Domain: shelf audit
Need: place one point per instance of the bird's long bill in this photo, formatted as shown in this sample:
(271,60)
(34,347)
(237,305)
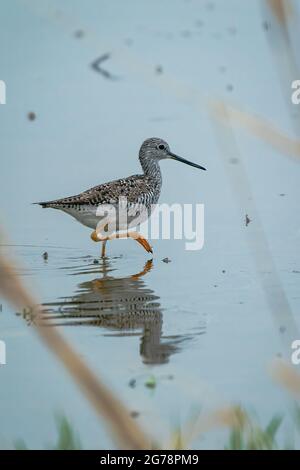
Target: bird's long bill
(179,159)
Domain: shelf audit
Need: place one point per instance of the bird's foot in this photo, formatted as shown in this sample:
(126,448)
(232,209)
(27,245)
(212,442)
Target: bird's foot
(144,242)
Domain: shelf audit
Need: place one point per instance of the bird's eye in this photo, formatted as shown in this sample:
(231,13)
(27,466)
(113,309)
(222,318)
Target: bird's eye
(161,147)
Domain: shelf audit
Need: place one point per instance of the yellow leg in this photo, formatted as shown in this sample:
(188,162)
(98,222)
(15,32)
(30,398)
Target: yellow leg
(135,235)
(141,240)
(95,238)
(103,248)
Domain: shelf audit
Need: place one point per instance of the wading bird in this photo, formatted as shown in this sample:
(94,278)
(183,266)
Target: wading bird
(90,207)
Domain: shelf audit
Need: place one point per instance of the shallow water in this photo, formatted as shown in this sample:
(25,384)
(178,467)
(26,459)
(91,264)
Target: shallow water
(202,325)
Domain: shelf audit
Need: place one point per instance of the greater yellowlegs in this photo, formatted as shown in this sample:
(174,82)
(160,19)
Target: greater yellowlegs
(137,189)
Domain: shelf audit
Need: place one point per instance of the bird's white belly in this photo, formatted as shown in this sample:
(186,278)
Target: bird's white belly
(86,215)
(91,216)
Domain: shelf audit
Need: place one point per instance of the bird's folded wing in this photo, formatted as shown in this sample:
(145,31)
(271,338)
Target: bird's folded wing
(108,193)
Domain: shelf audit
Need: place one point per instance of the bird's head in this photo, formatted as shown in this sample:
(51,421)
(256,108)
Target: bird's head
(158,149)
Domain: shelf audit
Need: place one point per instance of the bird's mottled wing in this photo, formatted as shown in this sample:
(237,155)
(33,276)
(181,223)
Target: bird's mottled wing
(136,188)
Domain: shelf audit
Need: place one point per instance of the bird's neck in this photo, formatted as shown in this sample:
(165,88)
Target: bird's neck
(150,167)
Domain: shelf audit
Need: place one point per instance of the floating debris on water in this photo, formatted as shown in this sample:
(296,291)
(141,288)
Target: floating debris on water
(96,261)
(170,377)
(45,255)
(31,116)
(159,69)
(96,66)
(134,414)
(27,314)
(132,383)
(151,382)
(79,34)
(229,87)
(166,260)
(247,220)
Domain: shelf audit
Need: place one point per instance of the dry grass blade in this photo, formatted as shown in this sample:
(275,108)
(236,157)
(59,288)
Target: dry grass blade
(127,433)
(271,284)
(258,127)
(286,375)
(229,417)
(283,38)
(282,9)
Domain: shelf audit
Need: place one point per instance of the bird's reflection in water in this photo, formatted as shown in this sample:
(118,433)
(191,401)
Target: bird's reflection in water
(125,306)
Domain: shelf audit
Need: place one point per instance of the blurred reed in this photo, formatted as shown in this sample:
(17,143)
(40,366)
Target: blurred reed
(271,284)
(286,375)
(282,9)
(257,126)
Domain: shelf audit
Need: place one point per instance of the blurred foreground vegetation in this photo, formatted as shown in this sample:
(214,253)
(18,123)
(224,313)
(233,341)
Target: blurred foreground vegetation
(247,434)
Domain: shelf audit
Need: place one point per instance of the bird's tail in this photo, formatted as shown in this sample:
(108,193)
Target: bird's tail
(46,204)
